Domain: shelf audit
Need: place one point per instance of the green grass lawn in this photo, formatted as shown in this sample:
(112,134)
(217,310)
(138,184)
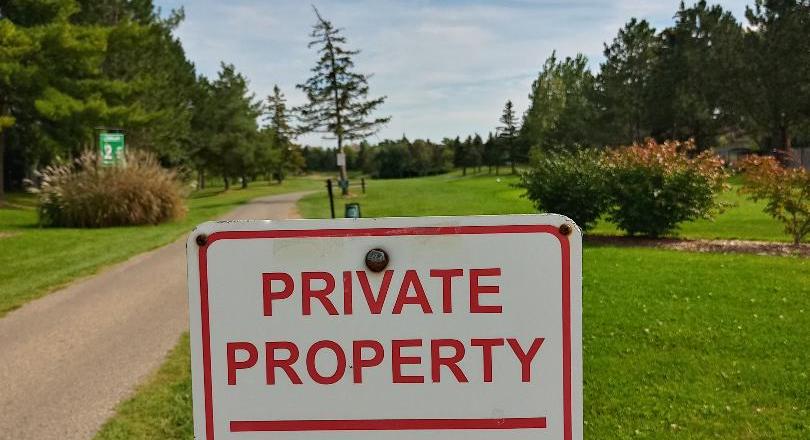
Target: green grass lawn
(35,260)
(451,194)
(677,344)
(161,408)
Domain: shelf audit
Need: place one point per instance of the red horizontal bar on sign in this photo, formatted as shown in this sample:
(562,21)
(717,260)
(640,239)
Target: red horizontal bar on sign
(385,424)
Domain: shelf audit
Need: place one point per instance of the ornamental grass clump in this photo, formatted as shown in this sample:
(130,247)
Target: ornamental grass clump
(84,194)
(654,187)
(785,190)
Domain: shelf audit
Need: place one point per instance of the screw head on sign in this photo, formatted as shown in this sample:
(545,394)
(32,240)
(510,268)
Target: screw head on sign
(376,259)
(201,239)
(565,229)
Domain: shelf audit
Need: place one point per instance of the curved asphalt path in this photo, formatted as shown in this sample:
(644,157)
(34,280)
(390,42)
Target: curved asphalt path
(67,359)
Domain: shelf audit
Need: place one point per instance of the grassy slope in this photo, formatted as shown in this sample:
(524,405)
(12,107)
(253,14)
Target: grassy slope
(676,344)
(35,261)
(453,195)
(705,346)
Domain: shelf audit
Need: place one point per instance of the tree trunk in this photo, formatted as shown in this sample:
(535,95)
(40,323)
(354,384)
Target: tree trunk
(496,169)
(785,142)
(227,183)
(514,171)
(244,182)
(464,171)
(344,187)
(200,179)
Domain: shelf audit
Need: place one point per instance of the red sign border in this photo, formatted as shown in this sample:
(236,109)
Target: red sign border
(391,424)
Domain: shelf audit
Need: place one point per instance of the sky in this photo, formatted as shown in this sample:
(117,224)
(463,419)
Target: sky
(446,67)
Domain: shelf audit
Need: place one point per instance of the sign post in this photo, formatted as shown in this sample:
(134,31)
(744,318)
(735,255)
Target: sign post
(408,328)
(111,148)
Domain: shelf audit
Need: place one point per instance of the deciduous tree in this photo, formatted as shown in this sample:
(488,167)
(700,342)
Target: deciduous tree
(561,110)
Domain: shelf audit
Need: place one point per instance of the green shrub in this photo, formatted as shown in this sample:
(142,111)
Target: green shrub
(84,194)
(569,183)
(654,187)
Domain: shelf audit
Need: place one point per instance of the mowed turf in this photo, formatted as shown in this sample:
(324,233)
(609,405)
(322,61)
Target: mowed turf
(35,260)
(676,344)
(452,194)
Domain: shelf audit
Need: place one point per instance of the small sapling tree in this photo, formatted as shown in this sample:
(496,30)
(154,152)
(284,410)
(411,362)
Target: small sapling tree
(786,192)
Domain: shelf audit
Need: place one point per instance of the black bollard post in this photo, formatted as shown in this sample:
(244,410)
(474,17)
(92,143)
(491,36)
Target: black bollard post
(331,197)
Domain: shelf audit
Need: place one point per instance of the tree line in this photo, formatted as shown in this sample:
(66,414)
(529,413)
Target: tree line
(402,157)
(708,77)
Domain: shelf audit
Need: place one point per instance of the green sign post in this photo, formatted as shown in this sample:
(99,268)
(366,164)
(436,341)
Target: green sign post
(111,148)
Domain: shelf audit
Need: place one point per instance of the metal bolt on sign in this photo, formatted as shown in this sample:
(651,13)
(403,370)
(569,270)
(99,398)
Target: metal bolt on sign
(565,229)
(376,260)
(201,239)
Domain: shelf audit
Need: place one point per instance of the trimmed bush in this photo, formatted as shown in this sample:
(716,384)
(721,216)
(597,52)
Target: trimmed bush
(569,183)
(84,194)
(786,190)
(654,187)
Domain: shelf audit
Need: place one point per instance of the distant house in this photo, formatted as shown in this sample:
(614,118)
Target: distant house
(734,146)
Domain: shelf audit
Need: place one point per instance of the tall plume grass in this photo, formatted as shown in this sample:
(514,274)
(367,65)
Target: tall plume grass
(84,194)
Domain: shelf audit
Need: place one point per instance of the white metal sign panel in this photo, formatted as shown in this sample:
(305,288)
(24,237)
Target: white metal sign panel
(472,330)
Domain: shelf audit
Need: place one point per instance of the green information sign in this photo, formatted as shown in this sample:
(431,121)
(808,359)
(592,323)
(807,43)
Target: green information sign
(111,148)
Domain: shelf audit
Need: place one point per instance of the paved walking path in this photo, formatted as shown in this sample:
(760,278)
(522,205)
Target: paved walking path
(68,358)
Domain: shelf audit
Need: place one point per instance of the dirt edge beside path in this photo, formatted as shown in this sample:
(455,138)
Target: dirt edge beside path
(702,245)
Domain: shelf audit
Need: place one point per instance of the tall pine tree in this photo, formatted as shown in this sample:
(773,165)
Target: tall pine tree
(229,112)
(507,135)
(694,78)
(282,133)
(624,83)
(338,105)
(775,98)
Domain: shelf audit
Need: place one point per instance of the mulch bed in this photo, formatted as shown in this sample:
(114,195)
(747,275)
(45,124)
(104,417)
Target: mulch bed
(720,246)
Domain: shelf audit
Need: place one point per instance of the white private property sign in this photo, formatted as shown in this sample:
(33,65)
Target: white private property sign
(472,330)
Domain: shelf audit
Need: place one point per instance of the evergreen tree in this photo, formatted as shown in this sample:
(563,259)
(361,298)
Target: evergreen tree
(775,98)
(491,152)
(624,83)
(228,112)
(695,76)
(365,158)
(507,135)
(466,154)
(289,155)
(203,156)
(15,47)
(459,153)
(52,90)
(143,51)
(337,95)
(475,154)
